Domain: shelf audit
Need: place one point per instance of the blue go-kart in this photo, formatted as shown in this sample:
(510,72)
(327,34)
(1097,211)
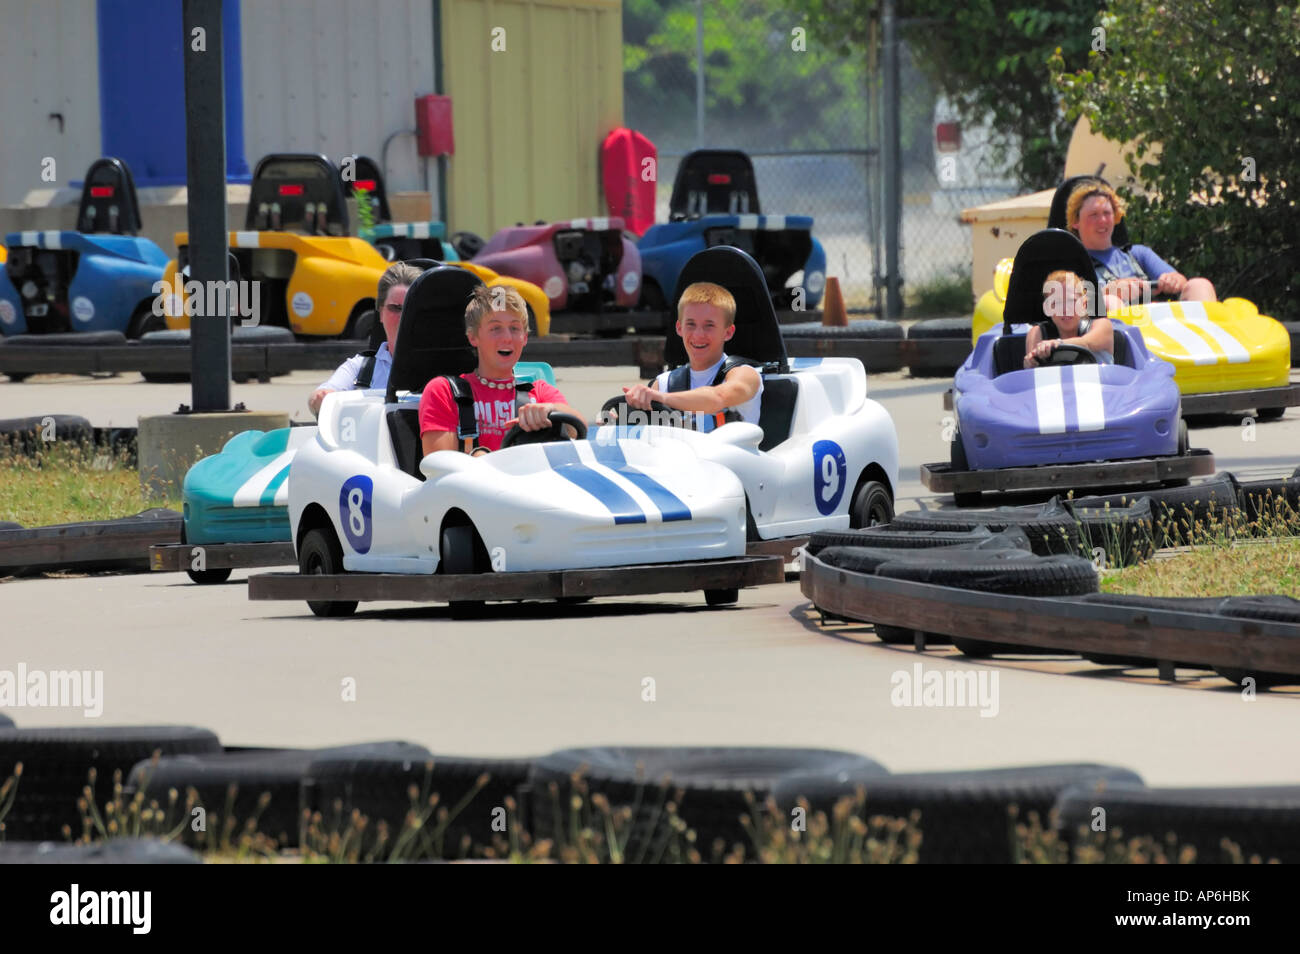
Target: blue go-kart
(715,202)
(1069,423)
(99,278)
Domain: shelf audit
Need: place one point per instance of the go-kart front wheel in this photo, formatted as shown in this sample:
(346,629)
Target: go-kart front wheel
(723,597)
(460,551)
(320,553)
(871,506)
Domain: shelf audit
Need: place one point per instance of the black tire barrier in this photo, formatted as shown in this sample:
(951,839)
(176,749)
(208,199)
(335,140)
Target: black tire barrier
(6,722)
(1177,511)
(870,559)
(253,334)
(1050,526)
(713,781)
(10,525)
(375,780)
(1258,498)
(861,328)
(1263,821)
(1124,535)
(277,772)
(1055,575)
(28,435)
(965,816)
(117,851)
(67,339)
(890,538)
(56,762)
(1293,329)
(941,328)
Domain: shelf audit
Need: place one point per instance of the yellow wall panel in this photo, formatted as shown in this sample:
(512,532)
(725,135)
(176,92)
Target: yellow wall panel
(529,119)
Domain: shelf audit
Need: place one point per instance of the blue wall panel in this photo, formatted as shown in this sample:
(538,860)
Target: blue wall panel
(142,89)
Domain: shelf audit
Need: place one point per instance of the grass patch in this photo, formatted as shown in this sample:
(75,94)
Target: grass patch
(68,482)
(1241,569)
(946,296)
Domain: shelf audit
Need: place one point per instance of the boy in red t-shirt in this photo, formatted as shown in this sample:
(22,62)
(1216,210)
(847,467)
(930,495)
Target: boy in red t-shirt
(496,324)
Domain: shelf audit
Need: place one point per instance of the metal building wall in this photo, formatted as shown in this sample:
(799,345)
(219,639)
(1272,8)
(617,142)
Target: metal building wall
(529,120)
(338,77)
(49,63)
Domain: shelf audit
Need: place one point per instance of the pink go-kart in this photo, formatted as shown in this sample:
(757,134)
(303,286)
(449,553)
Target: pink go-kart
(581,264)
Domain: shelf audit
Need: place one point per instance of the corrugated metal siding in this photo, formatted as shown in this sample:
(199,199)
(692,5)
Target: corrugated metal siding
(49,63)
(338,77)
(530,120)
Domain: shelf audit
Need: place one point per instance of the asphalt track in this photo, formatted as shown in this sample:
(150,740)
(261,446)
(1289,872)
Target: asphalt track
(536,676)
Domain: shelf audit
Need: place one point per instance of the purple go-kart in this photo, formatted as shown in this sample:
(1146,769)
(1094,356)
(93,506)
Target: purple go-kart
(1070,423)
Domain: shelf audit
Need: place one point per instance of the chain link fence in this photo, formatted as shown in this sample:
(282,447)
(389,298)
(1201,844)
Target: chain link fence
(810,121)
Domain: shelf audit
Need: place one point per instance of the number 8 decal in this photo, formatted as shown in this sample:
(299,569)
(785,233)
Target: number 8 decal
(354,512)
(830,472)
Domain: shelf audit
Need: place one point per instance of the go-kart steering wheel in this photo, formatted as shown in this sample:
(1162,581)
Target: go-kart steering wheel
(517,435)
(659,413)
(1067,354)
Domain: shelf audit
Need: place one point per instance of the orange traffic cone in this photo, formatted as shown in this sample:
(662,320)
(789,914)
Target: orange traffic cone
(833,313)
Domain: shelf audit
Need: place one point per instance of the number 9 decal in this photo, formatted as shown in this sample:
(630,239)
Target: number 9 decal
(354,512)
(830,471)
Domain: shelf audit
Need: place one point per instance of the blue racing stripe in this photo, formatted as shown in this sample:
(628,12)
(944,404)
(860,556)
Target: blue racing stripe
(563,458)
(268,495)
(669,504)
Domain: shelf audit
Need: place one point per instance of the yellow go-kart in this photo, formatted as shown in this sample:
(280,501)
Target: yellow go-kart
(295,266)
(1227,357)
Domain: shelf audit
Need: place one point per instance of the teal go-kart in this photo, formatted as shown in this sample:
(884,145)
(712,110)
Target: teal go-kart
(100,277)
(396,241)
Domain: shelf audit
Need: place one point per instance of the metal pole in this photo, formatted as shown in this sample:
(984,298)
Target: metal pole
(699,74)
(438,88)
(893,165)
(205,166)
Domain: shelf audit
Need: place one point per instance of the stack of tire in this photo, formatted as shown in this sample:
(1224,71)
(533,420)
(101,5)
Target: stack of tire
(938,346)
(875,361)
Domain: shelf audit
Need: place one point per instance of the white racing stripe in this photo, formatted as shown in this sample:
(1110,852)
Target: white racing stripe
(29,238)
(53,239)
(250,494)
(774,223)
(1087,397)
(747,221)
(599,224)
(1173,327)
(1050,400)
(247,240)
(419,230)
(1194,315)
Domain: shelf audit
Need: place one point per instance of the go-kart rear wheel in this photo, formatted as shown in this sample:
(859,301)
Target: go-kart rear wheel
(1184,440)
(724,597)
(360,323)
(144,322)
(321,554)
(957,458)
(872,506)
(204,577)
(1269,413)
(460,552)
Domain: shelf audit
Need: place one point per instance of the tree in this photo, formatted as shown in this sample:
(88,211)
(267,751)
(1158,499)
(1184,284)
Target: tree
(990,57)
(1217,84)
(764,85)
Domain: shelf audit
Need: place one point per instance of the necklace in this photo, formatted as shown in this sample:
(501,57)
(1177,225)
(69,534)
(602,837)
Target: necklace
(499,385)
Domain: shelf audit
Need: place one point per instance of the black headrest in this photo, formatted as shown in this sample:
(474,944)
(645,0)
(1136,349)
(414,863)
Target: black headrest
(294,181)
(714,180)
(758,334)
(1056,216)
(366,175)
(108,199)
(431,336)
(423,263)
(1041,254)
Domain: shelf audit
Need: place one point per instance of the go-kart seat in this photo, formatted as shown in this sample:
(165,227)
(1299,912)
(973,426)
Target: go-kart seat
(1008,354)
(108,199)
(430,342)
(776,414)
(366,175)
(297,192)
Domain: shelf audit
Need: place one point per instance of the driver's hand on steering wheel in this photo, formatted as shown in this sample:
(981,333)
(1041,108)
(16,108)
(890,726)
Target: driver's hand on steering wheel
(1043,350)
(640,396)
(533,417)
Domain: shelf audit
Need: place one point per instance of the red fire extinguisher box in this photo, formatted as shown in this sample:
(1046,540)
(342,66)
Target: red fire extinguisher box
(433,126)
